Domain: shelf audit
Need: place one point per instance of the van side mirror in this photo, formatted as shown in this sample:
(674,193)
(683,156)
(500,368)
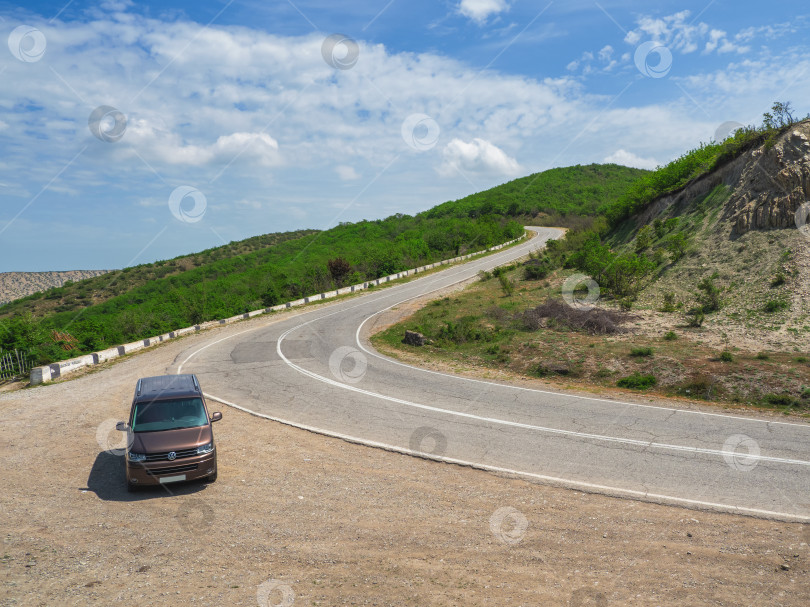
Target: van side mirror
(122,427)
(215,417)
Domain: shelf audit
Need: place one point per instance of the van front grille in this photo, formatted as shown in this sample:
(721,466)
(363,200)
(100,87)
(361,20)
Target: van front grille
(180,453)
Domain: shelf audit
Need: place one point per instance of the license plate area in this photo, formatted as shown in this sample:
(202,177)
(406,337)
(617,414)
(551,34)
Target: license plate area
(172,479)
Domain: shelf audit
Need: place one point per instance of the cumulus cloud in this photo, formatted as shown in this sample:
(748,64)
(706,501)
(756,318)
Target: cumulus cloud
(679,33)
(480,10)
(629,159)
(258,148)
(477,156)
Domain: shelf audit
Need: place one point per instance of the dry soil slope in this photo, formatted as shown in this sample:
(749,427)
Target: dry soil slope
(740,224)
(14,285)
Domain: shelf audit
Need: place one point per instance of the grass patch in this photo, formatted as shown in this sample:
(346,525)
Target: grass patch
(637,381)
(774,305)
(783,400)
(641,352)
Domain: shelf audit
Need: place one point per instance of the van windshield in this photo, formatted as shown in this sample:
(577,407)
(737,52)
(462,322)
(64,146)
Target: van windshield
(158,415)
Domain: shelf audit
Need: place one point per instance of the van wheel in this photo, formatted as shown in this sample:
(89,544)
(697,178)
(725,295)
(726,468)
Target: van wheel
(212,478)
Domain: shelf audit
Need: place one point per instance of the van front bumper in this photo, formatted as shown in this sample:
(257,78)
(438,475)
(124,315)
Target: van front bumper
(164,472)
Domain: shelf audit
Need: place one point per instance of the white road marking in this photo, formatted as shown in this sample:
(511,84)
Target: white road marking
(571,484)
(503,422)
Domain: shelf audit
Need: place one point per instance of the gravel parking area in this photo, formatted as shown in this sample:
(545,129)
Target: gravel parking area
(301,519)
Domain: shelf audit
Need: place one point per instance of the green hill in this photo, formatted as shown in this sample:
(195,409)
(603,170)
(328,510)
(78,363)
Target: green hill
(79,294)
(571,191)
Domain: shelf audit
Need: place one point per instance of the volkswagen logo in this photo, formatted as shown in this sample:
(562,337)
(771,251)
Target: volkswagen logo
(171,456)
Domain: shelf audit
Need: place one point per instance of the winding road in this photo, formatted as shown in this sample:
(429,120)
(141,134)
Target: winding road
(315,370)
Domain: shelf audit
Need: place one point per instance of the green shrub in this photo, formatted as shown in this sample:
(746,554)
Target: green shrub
(670,336)
(708,295)
(783,400)
(637,381)
(778,280)
(763,356)
(506,285)
(726,356)
(658,227)
(535,271)
(466,329)
(800,359)
(695,317)
(643,351)
(677,246)
(669,303)
(644,238)
(775,305)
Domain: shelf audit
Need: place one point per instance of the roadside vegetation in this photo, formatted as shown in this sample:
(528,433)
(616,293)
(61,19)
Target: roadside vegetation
(484,332)
(290,269)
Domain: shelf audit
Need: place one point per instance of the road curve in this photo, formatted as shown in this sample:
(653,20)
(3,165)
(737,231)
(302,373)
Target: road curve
(314,370)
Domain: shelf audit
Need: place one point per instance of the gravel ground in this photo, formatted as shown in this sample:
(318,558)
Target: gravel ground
(300,519)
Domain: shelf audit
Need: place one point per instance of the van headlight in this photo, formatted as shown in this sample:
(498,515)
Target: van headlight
(205,448)
(136,457)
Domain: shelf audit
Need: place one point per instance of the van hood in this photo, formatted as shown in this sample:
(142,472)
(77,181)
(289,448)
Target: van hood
(171,440)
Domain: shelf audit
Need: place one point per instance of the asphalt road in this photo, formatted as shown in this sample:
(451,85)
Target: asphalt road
(315,370)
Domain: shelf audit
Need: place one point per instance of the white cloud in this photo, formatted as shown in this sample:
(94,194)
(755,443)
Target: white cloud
(223,108)
(629,159)
(169,148)
(480,10)
(478,156)
(346,173)
(679,33)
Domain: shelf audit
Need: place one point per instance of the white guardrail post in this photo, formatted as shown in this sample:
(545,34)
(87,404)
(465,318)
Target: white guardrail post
(53,371)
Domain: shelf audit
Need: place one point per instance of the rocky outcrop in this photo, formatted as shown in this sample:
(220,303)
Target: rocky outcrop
(774,184)
(768,185)
(728,175)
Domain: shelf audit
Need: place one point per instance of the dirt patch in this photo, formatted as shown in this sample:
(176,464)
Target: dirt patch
(299,519)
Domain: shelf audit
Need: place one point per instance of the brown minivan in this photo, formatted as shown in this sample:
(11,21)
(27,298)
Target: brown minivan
(169,434)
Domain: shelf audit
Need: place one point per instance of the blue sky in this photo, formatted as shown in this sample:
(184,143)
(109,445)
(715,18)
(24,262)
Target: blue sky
(133,132)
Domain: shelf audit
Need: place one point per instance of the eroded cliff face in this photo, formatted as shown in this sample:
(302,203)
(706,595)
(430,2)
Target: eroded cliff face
(768,186)
(774,184)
